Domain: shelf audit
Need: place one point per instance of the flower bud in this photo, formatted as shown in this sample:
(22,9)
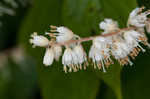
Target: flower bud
(38,40)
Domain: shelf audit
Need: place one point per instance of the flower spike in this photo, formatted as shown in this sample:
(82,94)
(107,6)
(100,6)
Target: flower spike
(122,45)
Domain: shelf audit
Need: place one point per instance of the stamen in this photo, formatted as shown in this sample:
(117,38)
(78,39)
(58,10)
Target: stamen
(80,66)
(103,67)
(65,69)
(99,65)
(94,65)
(70,69)
(53,30)
(53,27)
(84,67)
(143,50)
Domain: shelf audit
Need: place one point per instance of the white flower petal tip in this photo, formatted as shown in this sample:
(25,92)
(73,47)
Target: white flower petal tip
(48,57)
(38,40)
(108,25)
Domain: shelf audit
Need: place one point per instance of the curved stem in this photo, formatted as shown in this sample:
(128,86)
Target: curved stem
(93,37)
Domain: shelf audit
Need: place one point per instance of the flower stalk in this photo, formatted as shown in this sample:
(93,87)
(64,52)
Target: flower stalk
(121,44)
(91,37)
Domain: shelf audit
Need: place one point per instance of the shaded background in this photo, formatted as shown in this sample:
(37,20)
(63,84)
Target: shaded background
(22,74)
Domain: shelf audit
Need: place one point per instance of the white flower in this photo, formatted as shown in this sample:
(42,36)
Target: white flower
(74,58)
(67,59)
(137,18)
(80,56)
(108,25)
(57,52)
(99,52)
(121,50)
(64,34)
(48,57)
(133,38)
(97,58)
(38,40)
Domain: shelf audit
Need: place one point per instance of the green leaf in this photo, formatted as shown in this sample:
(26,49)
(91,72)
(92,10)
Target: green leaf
(112,79)
(18,78)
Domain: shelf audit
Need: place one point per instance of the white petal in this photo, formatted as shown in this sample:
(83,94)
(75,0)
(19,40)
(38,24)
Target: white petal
(49,57)
(80,54)
(64,34)
(120,50)
(67,57)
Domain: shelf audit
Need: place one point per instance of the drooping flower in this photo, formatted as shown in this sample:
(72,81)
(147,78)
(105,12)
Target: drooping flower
(120,50)
(133,38)
(108,25)
(39,40)
(99,53)
(97,58)
(67,59)
(64,34)
(138,18)
(80,56)
(48,57)
(74,58)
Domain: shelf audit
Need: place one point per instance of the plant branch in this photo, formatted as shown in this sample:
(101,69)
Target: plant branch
(93,37)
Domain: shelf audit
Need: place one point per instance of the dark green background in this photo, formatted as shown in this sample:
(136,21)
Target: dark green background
(83,17)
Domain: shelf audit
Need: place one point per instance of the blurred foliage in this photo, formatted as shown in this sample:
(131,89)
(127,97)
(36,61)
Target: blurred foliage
(10,23)
(17,80)
(83,17)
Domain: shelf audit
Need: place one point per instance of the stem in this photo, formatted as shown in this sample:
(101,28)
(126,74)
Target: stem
(93,37)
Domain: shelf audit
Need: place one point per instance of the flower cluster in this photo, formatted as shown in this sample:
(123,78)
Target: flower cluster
(113,43)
